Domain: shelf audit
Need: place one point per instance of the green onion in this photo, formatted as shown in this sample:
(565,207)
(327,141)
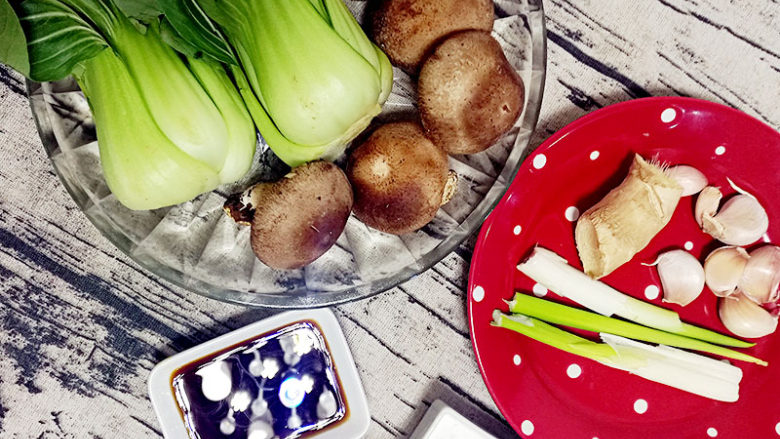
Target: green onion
(557,313)
(682,370)
(554,273)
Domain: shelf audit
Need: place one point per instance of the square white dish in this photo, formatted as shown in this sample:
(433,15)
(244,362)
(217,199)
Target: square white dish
(443,422)
(356,419)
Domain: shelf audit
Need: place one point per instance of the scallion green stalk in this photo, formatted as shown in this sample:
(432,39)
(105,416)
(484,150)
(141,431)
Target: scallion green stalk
(682,370)
(554,273)
(559,314)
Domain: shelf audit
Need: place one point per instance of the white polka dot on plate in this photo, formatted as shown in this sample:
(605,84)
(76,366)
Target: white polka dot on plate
(711,432)
(720,150)
(668,115)
(688,246)
(539,161)
(777,428)
(594,155)
(478,294)
(572,213)
(517,230)
(539,290)
(652,292)
(516,360)
(574,371)
(527,427)
(640,406)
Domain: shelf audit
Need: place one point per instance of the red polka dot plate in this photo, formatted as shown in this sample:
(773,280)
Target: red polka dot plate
(551,394)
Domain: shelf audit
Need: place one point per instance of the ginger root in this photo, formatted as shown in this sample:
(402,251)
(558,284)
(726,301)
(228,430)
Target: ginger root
(619,226)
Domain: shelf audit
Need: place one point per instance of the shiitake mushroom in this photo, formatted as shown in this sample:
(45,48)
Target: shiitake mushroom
(398,177)
(298,218)
(408,30)
(468,93)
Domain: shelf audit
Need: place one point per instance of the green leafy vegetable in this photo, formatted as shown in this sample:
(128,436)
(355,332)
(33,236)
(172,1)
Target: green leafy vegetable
(169,127)
(676,368)
(309,75)
(59,37)
(144,10)
(557,313)
(193,26)
(13,50)
(152,171)
(172,125)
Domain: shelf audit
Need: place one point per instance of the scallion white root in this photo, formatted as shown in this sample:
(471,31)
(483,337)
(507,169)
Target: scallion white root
(676,368)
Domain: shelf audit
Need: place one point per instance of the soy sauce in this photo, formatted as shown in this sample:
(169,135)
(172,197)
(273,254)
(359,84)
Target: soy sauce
(282,384)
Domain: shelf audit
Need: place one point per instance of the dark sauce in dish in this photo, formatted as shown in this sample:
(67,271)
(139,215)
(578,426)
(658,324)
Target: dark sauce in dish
(280,385)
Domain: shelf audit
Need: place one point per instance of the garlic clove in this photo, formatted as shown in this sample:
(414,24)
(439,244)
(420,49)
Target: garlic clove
(707,203)
(689,178)
(723,269)
(741,221)
(745,318)
(761,279)
(682,276)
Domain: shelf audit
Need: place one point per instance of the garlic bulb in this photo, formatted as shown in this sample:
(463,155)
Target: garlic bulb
(707,203)
(723,269)
(741,221)
(682,276)
(745,318)
(761,279)
(690,178)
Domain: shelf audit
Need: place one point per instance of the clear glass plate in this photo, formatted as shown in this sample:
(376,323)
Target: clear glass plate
(195,245)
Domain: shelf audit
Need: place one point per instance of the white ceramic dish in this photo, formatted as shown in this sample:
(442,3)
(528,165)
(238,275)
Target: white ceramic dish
(443,422)
(355,421)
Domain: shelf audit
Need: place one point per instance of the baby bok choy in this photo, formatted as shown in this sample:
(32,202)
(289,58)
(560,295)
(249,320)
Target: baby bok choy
(310,77)
(169,127)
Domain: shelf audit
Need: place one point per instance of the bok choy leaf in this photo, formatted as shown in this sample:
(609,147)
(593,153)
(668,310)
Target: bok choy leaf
(13,51)
(60,36)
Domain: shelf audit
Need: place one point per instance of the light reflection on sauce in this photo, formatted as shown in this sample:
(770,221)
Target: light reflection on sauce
(281,384)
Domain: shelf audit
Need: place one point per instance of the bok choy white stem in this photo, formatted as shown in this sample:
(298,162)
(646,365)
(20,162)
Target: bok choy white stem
(682,370)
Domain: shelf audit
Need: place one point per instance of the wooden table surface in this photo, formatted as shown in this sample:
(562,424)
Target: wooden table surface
(81,325)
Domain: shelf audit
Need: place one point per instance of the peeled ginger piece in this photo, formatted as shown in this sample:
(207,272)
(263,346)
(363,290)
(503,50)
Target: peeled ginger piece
(619,226)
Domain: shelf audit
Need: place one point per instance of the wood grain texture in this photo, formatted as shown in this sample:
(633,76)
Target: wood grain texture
(81,325)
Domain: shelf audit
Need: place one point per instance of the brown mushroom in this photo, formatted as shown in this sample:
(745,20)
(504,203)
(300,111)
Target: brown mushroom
(398,177)
(408,30)
(298,218)
(469,94)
